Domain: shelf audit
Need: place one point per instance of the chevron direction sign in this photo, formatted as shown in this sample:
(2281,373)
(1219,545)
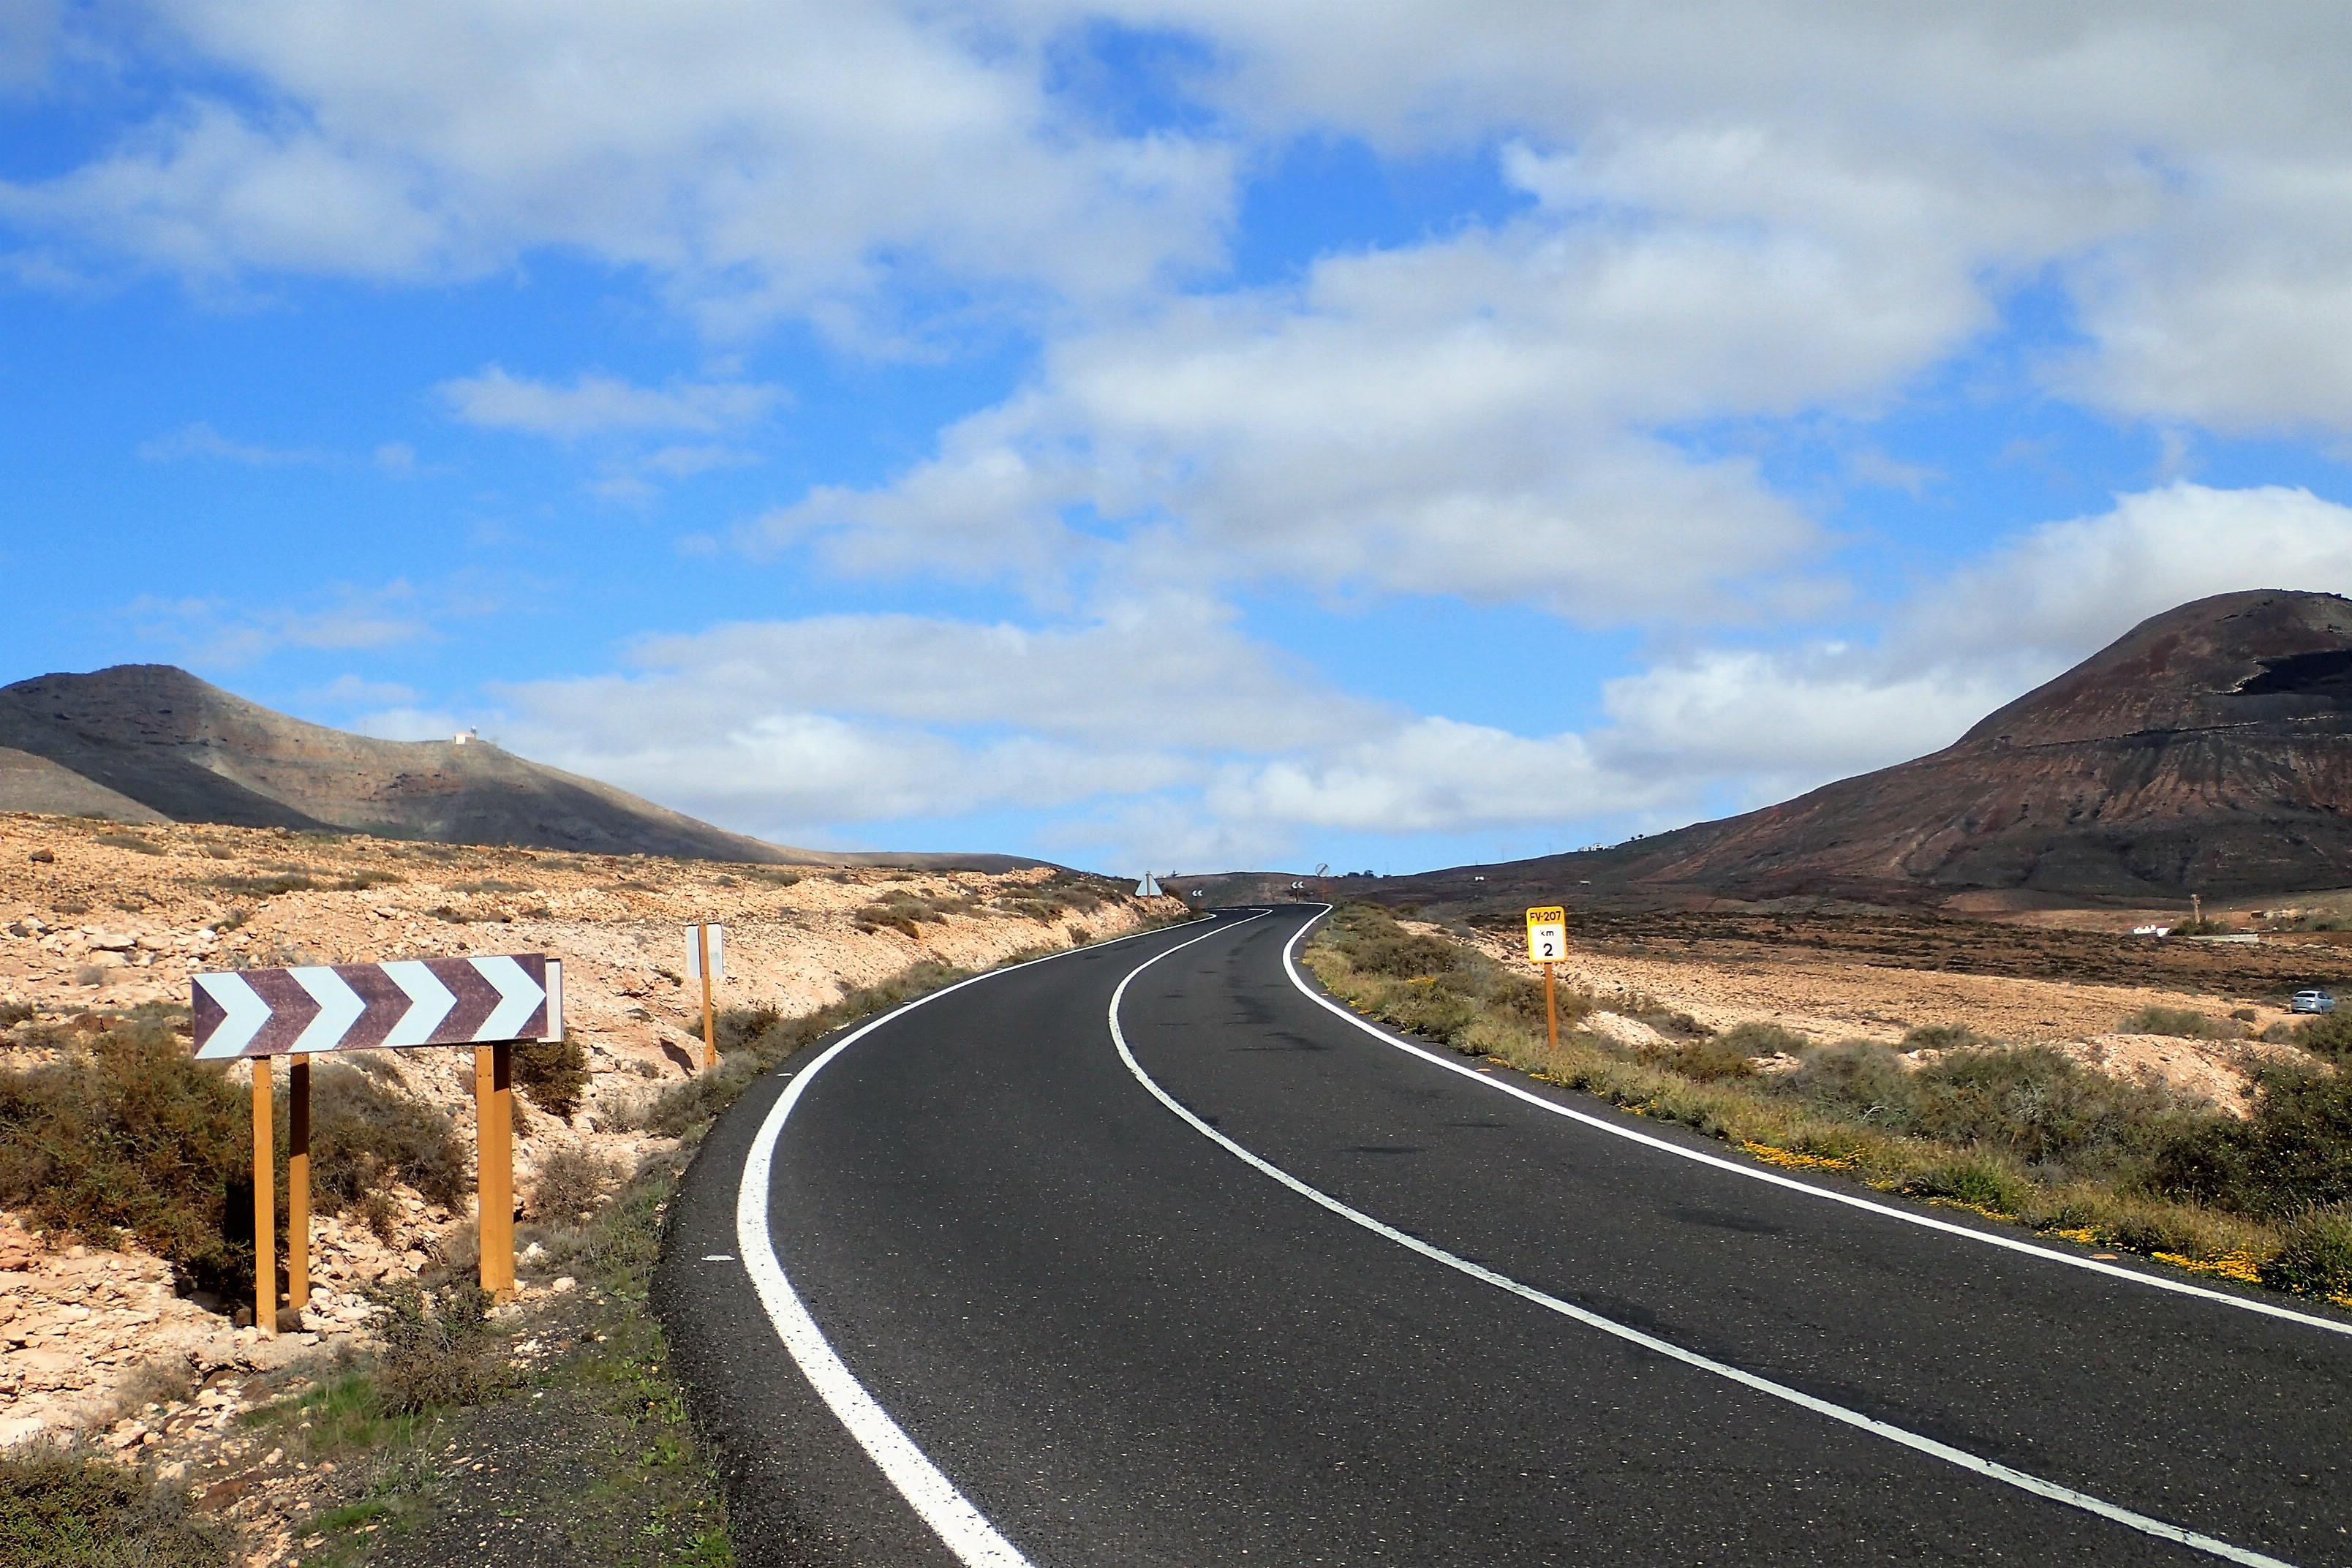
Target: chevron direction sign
(357,1006)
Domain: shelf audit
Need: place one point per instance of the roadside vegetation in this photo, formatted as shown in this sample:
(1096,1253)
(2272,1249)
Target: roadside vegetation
(2020,1134)
(120,1132)
(65,1506)
(567,1401)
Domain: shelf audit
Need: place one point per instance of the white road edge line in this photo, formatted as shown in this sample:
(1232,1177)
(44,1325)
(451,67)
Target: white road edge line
(962,1528)
(1838,1413)
(1754,1173)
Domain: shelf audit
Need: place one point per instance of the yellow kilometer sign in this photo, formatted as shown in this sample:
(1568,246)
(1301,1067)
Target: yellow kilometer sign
(1548,934)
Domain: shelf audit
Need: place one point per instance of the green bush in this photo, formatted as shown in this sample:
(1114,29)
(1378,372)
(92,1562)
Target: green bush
(15,1013)
(63,1506)
(126,1132)
(2044,1109)
(2294,1152)
(2314,1255)
(1406,955)
(553,1074)
(2181,1023)
(1975,1180)
(2325,1033)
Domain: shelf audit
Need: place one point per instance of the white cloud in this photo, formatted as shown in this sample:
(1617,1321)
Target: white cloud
(29,33)
(201,440)
(346,619)
(1432,774)
(593,405)
(759,158)
(2064,589)
(1479,418)
(1769,723)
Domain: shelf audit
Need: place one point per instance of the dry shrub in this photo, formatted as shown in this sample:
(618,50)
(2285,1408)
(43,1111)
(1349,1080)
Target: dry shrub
(753,1040)
(569,1182)
(554,1073)
(71,1507)
(1757,1038)
(130,841)
(440,1348)
(1709,1061)
(1943,1037)
(2181,1023)
(365,1136)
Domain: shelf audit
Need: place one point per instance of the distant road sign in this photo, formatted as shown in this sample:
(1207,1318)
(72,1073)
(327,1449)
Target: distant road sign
(718,951)
(1548,934)
(362,1006)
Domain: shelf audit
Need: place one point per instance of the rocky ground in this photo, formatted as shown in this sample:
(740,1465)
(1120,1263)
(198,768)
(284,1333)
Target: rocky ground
(95,918)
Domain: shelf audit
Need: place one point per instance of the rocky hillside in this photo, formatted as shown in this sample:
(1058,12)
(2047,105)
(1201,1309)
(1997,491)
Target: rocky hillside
(2209,750)
(153,743)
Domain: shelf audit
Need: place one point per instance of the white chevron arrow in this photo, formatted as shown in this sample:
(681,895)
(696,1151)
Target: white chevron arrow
(519,996)
(340,1007)
(247,1013)
(429,1002)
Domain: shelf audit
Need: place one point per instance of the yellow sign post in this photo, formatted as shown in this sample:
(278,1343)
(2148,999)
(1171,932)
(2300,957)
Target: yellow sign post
(1547,945)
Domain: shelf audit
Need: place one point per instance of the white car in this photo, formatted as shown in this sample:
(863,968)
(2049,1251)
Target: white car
(2312,1002)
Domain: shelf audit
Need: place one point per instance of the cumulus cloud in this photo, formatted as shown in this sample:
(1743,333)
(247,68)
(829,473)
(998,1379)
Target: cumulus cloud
(1482,418)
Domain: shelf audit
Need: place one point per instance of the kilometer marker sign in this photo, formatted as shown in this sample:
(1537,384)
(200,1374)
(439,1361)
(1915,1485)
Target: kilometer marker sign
(1548,934)
(1547,945)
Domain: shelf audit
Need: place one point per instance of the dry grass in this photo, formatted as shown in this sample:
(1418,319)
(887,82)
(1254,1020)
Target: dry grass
(2018,1134)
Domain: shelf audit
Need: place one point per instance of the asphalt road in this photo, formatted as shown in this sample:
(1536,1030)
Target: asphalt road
(1080,1326)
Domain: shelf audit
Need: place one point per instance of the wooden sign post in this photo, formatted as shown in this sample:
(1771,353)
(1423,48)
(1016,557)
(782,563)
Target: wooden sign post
(298,1181)
(706,957)
(1547,945)
(487,1003)
(265,1203)
(494,1165)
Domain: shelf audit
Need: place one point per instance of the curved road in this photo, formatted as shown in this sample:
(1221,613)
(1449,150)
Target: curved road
(1224,1276)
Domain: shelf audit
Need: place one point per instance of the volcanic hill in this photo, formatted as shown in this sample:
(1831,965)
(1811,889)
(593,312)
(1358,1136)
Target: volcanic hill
(2209,750)
(149,743)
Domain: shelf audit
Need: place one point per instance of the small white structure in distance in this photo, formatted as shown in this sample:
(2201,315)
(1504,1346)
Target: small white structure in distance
(1148,888)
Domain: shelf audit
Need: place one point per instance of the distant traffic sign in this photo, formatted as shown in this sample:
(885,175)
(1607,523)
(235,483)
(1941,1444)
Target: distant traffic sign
(1548,934)
(359,1006)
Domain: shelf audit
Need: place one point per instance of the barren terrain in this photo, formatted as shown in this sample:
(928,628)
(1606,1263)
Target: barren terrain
(1876,975)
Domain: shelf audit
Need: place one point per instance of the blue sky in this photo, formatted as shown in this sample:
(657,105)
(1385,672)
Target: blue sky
(1178,433)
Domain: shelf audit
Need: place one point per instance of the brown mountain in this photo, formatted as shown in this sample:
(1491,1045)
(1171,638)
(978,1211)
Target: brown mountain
(2207,750)
(149,742)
